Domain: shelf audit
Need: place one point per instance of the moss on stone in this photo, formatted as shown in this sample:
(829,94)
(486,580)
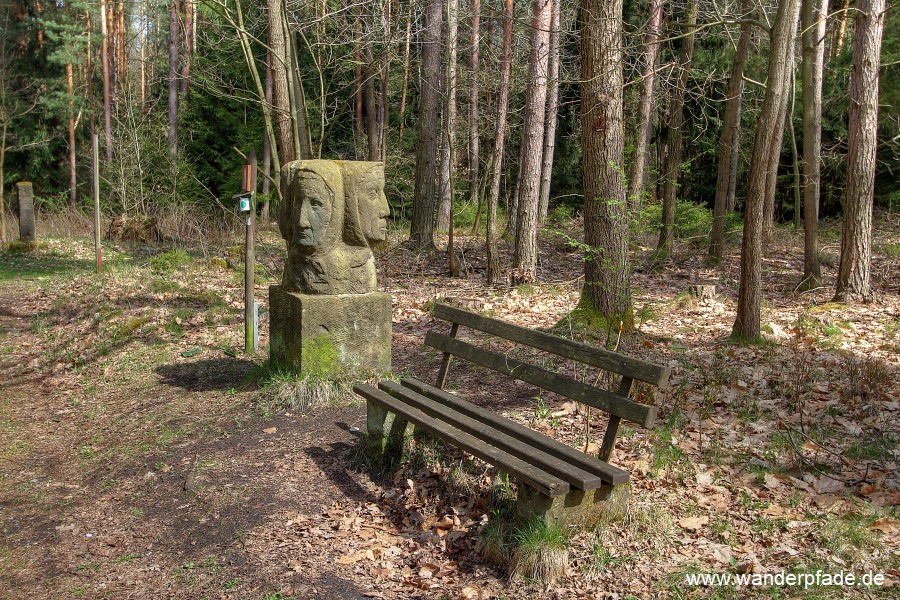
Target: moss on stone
(320,356)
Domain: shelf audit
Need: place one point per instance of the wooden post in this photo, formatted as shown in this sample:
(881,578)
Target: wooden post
(25,193)
(249,185)
(95,154)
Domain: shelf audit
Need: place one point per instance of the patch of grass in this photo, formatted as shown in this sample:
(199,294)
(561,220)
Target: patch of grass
(890,250)
(166,262)
(880,446)
(847,536)
(541,551)
(15,265)
(665,452)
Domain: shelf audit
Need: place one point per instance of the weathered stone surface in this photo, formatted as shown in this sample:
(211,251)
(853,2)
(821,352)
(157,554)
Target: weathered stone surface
(26,211)
(578,507)
(328,335)
(333,212)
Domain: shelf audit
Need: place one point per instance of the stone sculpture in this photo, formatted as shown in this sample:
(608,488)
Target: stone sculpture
(327,314)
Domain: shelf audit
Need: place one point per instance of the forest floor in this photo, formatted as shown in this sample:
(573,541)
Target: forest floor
(143,456)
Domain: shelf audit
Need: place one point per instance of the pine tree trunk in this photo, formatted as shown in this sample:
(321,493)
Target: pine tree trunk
(120,36)
(644,124)
(812,23)
(448,130)
(607,274)
(173,77)
(747,323)
(672,168)
(73,175)
(107,92)
(142,58)
(837,41)
(405,72)
(495,163)
(421,233)
(856,235)
(730,139)
(550,115)
(529,186)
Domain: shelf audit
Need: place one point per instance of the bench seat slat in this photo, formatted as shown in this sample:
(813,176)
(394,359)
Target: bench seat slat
(587,394)
(592,355)
(538,479)
(602,469)
(531,453)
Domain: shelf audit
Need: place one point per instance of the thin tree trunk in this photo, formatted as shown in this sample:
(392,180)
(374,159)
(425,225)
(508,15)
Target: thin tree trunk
(550,115)
(607,273)
(373,129)
(448,170)
(474,158)
(267,147)
(489,96)
(112,30)
(495,163)
(107,92)
(89,73)
(173,77)
(358,78)
(405,71)
(121,39)
(672,167)
(525,256)
(837,42)
(747,323)
(281,87)
(798,202)
(730,139)
(856,235)
(384,113)
(3,239)
(644,124)
(768,224)
(812,23)
(73,177)
(425,195)
(188,45)
(142,58)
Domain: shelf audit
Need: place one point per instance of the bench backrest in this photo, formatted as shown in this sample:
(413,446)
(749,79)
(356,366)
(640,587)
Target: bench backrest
(617,404)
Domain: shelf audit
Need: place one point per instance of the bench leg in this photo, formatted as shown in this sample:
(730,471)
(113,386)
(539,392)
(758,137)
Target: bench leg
(577,508)
(375,418)
(393,450)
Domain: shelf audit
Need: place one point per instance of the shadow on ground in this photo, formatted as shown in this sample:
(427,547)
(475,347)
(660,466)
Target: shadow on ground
(213,374)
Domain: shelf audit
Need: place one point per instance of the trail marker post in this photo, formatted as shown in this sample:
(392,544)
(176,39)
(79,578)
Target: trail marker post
(248,187)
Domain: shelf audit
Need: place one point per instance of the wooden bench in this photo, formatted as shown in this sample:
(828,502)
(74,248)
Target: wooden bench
(556,481)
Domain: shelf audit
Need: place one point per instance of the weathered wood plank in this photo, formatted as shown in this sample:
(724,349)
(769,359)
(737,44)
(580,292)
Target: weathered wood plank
(604,470)
(532,453)
(529,474)
(592,355)
(592,396)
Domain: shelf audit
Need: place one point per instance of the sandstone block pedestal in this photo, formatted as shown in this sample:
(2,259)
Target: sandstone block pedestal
(324,335)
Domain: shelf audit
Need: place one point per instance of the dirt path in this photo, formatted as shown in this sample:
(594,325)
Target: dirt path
(129,470)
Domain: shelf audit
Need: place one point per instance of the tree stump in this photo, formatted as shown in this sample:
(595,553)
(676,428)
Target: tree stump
(704,290)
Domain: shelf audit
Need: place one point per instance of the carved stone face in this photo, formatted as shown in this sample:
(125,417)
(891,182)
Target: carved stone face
(373,205)
(367,206)
(314,212)
(314,216)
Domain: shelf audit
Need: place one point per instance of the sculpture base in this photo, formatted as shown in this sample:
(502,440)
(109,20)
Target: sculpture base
(329,335)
